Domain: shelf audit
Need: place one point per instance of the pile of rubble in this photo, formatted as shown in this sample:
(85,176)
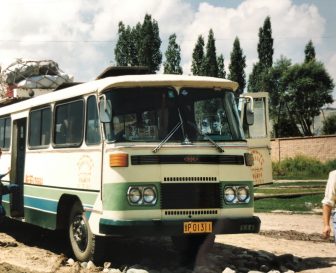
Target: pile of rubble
(30,75)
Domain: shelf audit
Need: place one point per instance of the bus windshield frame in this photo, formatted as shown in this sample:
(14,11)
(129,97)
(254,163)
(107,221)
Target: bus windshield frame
(150,114)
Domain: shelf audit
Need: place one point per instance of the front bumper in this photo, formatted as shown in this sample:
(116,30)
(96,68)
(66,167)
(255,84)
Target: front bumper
(175,227)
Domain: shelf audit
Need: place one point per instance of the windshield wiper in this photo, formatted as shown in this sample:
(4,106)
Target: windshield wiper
(219,148)
(171,133)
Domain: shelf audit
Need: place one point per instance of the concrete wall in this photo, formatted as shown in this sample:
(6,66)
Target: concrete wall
(322,148)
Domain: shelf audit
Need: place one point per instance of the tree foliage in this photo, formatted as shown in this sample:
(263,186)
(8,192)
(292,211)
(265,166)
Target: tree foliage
(221,67)
(276,86)
(309,52)
(329,125)
(173,57)
(206,62)
(237,66)
(149,50)
(210,61)
(197,67)
(122,50)
(139,45)
(308,89)
(265,54)
(265,45)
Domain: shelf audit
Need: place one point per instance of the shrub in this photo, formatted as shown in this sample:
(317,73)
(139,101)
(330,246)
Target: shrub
(302,167)
(329,125)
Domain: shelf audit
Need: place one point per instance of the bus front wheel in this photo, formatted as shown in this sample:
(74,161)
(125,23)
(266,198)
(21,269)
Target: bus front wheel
(83,242)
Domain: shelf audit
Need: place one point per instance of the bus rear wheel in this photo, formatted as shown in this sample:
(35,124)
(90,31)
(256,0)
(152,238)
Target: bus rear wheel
(82,241)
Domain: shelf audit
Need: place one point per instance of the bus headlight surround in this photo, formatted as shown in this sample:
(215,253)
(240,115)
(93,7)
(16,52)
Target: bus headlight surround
(142,195)
(236,194)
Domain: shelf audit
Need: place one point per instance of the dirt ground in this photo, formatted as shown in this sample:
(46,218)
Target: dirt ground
(26,249)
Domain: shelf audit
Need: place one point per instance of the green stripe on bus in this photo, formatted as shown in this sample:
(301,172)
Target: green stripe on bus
(87,197)
(41,218)
(115,196)
(250,204)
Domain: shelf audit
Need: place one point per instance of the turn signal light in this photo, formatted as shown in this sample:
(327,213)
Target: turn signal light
(119,160)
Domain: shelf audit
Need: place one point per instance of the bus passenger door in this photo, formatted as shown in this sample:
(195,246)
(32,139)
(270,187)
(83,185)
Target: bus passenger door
(258,139)
(18,166)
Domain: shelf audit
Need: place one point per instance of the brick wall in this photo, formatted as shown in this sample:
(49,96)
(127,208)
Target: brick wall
(322,148)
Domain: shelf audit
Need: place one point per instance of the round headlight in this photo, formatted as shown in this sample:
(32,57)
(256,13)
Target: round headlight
(134,195)
(242,194)
(229,194)
(149,195)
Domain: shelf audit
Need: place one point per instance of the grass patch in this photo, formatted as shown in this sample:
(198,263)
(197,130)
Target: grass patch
(313,184)
(286,191)
(302,167)
(297,204)
(304,203)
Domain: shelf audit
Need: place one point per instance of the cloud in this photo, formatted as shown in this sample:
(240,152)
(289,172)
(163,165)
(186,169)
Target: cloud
(81,34)
(245,21)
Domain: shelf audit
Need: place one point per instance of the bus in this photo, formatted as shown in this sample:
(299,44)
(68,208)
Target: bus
(132,155)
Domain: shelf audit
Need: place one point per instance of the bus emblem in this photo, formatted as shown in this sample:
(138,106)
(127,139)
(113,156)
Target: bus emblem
(191,159)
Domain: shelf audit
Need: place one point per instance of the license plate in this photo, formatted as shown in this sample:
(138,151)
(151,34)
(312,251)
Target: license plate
(197,227)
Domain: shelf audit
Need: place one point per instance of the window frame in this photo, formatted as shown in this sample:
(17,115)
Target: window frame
(6,147)
(34,147)
(86,121)
(68,145)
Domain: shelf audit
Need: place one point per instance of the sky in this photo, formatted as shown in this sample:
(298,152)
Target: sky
(80,35)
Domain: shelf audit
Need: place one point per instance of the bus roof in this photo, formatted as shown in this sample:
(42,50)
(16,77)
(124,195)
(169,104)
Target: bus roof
(120,81)
(168,79)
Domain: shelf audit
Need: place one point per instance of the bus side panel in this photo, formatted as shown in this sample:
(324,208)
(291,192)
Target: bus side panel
(73,172)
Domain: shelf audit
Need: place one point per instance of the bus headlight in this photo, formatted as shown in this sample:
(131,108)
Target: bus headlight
(149,195)
(243,194)
(236,194)
(229,194)
(134,195)
(142,195)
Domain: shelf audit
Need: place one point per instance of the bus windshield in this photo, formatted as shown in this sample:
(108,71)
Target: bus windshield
(149,114)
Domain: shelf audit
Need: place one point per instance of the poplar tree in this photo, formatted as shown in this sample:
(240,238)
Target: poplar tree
(173,57)
(221,67)
(237,66)
(210,61)
(139,45)
(197,66)
(309,52)
(265,45)
(260,70)
(149,51)
(121,50)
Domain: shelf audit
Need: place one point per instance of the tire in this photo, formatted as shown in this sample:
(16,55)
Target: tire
(82,241)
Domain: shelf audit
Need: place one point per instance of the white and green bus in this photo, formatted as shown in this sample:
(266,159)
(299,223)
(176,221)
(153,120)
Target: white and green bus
(136,155)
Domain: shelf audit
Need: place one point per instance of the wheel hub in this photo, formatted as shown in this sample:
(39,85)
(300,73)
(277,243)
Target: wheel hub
(80,232)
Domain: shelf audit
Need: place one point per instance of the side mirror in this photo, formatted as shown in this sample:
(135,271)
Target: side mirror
(249,114)
(248,110)
(105,109)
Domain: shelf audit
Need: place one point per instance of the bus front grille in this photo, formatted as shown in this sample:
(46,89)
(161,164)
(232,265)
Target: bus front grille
(198,212)
(190,195)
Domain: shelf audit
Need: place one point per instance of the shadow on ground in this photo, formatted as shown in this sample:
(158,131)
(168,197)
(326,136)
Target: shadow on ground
(159,255)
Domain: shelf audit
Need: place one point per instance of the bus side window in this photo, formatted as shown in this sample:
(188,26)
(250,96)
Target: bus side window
(69,121)
(5,132)
(39,127)
(92,122)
